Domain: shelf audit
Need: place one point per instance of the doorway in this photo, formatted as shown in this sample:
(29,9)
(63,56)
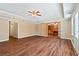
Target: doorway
(13,30)
(53,29)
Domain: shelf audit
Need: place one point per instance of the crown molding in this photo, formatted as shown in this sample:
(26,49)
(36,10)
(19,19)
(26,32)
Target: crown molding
(8,15)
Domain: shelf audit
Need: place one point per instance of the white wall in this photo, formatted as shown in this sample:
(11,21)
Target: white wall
(4,30)
(66,28)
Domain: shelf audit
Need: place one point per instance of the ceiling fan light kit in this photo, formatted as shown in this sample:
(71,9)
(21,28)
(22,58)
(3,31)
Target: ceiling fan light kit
(35,13)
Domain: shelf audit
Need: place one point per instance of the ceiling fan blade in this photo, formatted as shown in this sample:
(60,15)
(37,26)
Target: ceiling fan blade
(37,12)
(30,11)
(39,15)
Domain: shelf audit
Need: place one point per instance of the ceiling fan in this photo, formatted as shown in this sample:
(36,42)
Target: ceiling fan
(35,13)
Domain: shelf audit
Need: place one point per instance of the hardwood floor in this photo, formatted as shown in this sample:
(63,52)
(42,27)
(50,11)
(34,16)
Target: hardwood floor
(37,46)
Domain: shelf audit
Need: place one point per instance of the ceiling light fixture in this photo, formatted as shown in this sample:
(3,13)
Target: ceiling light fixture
(35,13)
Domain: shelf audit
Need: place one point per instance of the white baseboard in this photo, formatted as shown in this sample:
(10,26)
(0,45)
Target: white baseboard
(27,36)
(4,40)
(66,38)
(75,44)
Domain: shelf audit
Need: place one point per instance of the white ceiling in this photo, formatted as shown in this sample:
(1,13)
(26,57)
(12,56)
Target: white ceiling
(50,11)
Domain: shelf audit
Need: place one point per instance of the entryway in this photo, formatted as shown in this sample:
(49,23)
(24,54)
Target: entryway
(13,30)
(53,29)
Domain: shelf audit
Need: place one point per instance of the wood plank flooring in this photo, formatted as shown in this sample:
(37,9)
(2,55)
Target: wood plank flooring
(37,46)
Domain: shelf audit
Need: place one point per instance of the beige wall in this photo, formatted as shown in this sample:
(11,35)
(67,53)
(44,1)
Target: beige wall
(26,28)
(4,30)
(43,29)
(59,29)
(66,28)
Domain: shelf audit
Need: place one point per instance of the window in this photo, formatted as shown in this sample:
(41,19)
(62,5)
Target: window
(75,26)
